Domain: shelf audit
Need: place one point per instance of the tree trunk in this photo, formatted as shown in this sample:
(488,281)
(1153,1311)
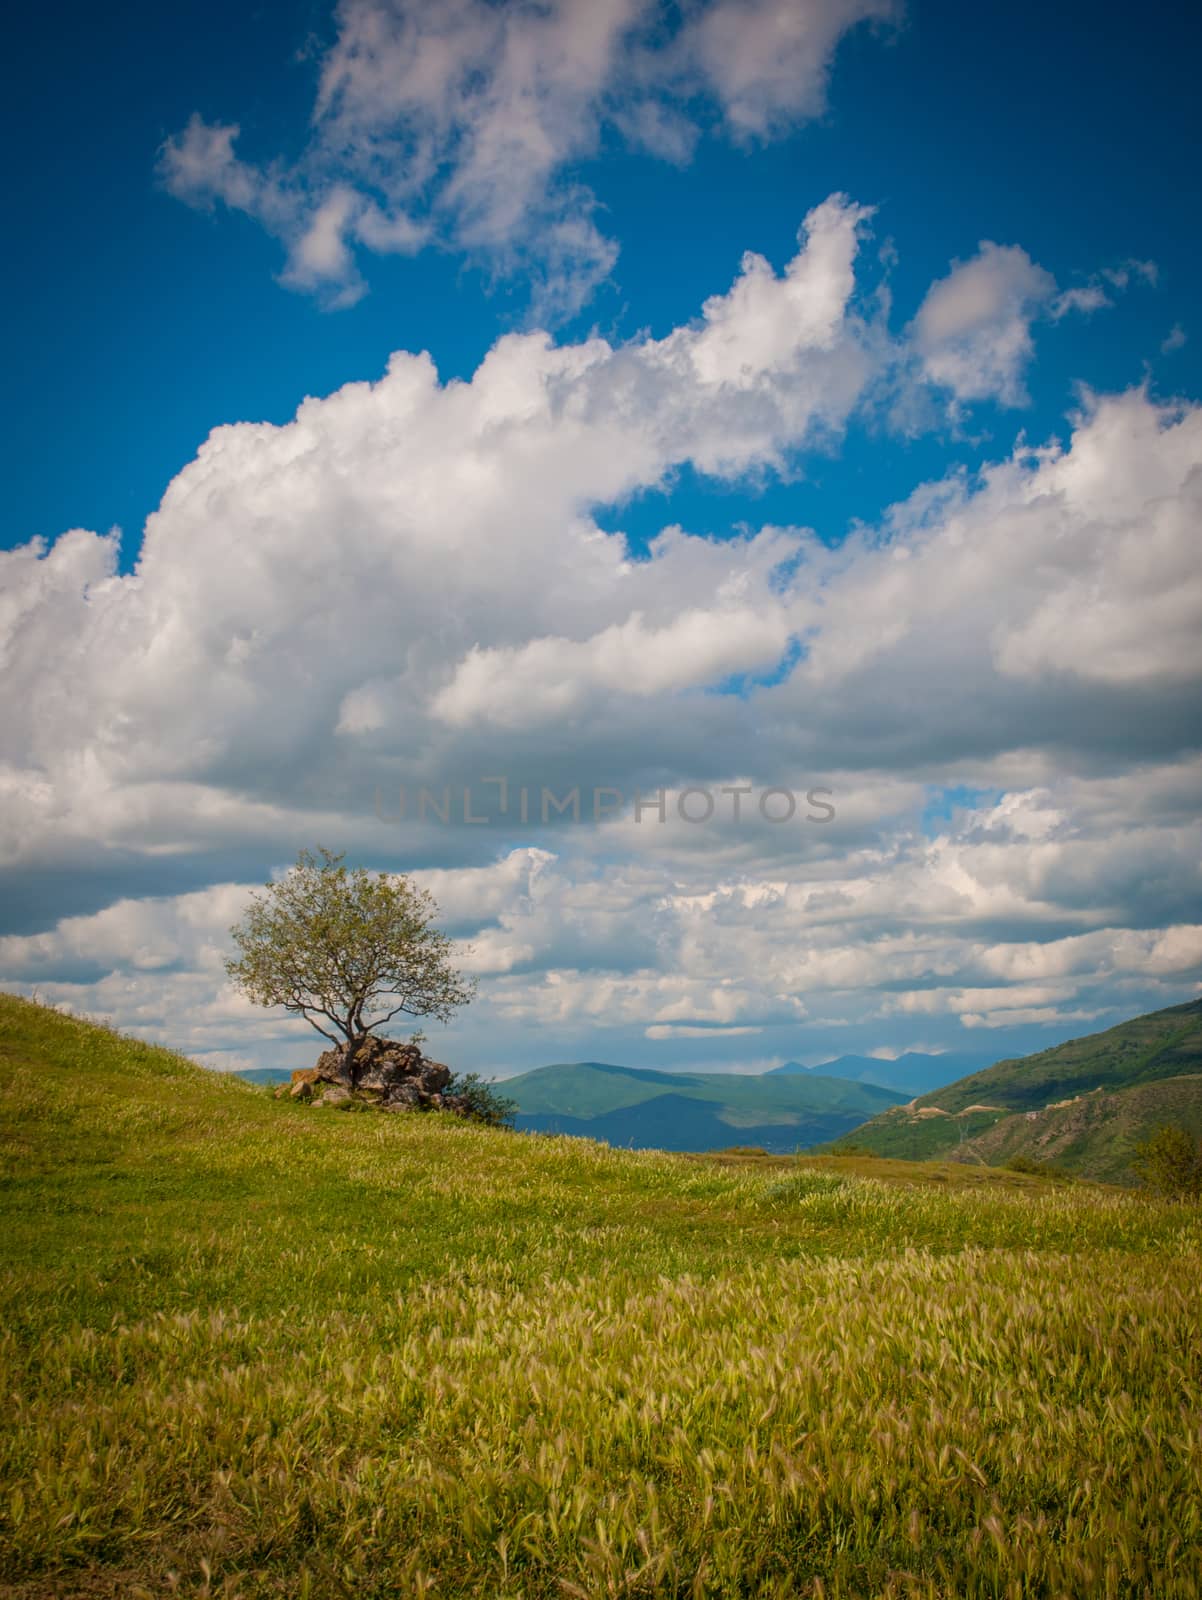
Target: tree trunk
(353,1046)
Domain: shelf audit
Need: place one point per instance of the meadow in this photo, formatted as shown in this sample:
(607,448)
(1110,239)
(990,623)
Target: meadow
(250,1349)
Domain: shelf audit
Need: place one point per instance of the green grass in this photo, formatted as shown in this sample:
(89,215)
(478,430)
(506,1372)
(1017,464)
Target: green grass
(252,1349)
(898,1133)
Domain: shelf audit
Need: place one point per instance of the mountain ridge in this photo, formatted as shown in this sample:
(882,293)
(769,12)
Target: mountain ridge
(649,1109)
(913,1072)
(1084,1104)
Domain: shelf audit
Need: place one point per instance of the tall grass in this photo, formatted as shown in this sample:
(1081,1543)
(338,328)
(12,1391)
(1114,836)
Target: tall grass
(251,1350)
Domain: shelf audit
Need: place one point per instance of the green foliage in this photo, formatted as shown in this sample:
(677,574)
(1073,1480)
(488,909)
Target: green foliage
(485,1103)
(251,1352)
(897,1132)
(1170,1163)
(350,947)
(1022,1163)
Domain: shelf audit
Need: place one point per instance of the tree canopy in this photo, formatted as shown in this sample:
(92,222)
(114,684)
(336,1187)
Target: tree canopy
(347,949)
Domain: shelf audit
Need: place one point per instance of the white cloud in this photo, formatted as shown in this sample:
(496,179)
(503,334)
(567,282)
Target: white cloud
(406,583)
(973,329)
(307,595)
(200,167)
(462,121)
(1084,298)
(1175,339)
(544,680)
(1061,567)
(686,956)
(768,62)
(676,1030)
(972,333)
(1130,271)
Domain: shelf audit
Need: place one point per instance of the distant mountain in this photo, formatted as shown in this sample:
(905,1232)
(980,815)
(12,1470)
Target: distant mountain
(909,1074)
(1084,1105)
(265,1074)
(651,1110)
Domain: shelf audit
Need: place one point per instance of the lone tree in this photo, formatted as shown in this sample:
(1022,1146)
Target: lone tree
(347,950)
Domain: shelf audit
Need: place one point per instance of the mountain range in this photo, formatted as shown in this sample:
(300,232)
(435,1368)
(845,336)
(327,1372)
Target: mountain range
(648,1110)
(643,1109)
(910,1074)
(1083,1105)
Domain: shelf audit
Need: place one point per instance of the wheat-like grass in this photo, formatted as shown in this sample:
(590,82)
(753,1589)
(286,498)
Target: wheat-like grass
(252,1351)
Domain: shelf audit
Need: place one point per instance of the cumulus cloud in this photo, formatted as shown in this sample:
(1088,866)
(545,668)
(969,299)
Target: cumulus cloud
(1062,572)
(407,584)
(311,597)
(462,122)
(976,927)
(973,329)
(543,680)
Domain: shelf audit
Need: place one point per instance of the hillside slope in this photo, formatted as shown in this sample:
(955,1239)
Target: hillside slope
(1095,1134)
(257,1350)
(648,1110)
(1084,1104)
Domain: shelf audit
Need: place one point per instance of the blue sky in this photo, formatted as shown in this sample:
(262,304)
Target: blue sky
(143,324)
(1023,268)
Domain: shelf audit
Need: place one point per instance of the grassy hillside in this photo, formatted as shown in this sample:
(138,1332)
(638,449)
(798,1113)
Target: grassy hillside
(1075,1103)
(1097,1133)
(251,1349)
(1163,1044)
(644,1109)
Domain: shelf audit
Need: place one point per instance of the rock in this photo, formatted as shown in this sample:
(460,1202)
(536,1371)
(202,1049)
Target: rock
(403,1097)
(381,1064)
(371,1064)
(331,1067)
(334,1094)
(300,1085)
(381,1072)
(434,1076)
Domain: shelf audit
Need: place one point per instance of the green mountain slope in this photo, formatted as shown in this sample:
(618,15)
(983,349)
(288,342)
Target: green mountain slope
(1076,1104)
(1162,1044)
(645,1109)
(1096,1133)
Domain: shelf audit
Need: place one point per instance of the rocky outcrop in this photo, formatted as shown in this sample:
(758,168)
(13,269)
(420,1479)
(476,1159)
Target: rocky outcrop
(379,1072)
